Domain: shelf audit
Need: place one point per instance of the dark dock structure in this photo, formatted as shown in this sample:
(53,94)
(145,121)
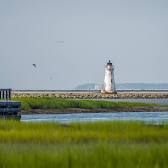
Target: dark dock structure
(9,109)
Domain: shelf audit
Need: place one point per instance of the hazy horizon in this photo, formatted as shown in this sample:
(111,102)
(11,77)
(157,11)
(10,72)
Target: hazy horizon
(71,41)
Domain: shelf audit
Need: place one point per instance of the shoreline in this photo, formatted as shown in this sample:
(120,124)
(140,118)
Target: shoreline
(90,95)
(97,110)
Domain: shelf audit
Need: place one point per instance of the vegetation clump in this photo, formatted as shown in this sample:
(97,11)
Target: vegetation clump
(54,103)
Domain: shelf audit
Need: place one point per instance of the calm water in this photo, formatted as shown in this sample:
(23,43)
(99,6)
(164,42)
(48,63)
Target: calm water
(155,117)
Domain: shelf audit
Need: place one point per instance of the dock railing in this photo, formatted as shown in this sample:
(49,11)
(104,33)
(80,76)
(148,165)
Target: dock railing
(5,94)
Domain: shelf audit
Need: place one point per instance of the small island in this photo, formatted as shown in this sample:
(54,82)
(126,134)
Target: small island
(50,105)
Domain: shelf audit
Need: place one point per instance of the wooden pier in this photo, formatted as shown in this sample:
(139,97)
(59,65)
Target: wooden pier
(9,109)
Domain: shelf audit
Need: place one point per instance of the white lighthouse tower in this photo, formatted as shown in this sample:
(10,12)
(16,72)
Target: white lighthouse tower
(109,83)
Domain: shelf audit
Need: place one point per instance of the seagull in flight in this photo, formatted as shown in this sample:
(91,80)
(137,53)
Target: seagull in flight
(34,65)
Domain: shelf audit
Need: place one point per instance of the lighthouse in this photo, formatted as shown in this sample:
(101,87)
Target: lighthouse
(109,83)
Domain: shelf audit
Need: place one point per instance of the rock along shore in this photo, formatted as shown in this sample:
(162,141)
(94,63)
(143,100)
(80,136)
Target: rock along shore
(90,95)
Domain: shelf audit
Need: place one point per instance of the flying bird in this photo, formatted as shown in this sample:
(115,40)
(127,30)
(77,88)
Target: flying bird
(34,65)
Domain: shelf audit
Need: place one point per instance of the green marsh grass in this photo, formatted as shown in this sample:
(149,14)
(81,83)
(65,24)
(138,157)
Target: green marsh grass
(54,103)
(81,145)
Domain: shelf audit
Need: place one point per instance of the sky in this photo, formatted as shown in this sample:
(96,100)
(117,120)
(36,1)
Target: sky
(70,41)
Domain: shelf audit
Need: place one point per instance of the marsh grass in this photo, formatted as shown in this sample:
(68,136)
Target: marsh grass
(97,145)
(53,103)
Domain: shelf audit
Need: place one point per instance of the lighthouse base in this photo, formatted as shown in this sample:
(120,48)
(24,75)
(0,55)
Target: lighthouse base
(108,92)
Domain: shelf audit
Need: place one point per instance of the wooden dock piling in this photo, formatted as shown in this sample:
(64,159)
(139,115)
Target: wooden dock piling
(9,109)
(5,94)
